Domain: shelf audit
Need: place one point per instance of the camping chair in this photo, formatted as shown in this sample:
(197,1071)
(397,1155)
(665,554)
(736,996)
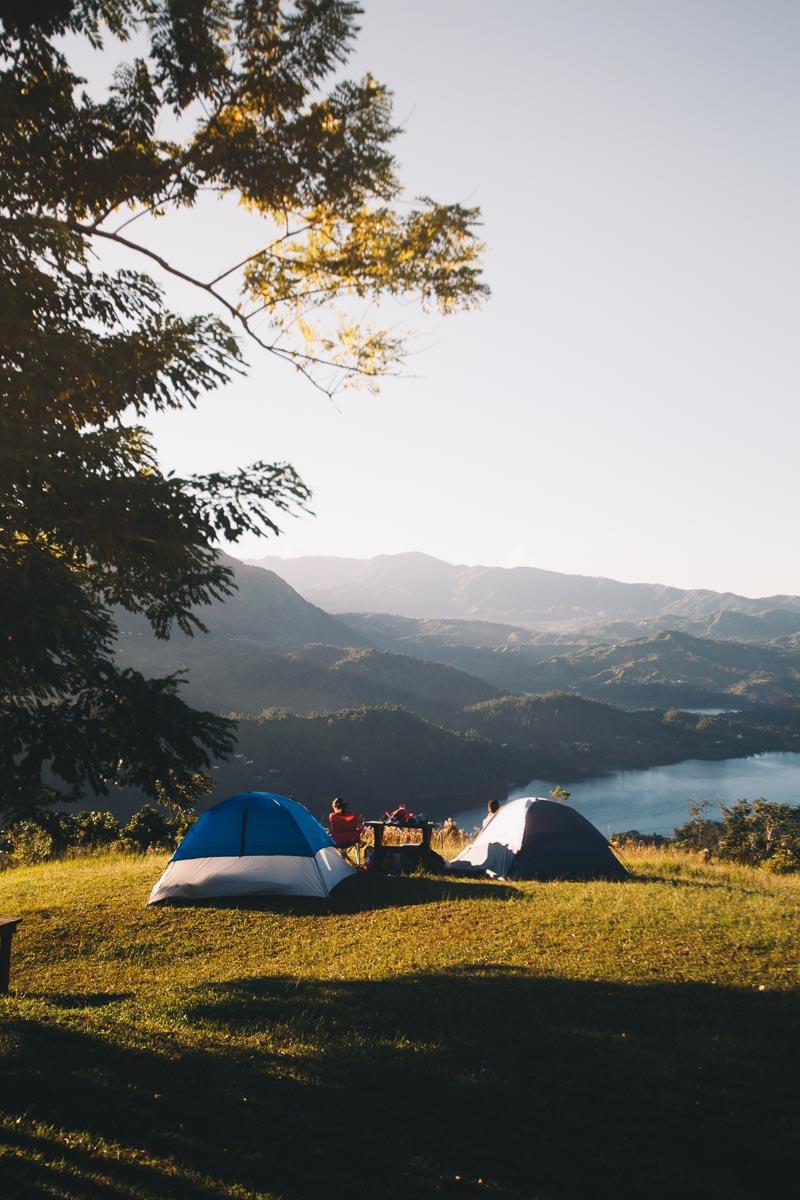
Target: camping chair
(346,829)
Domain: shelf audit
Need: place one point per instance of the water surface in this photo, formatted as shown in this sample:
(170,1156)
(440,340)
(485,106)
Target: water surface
(656,800)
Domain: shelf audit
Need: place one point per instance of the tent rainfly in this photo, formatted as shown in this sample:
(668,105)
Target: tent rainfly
(533,838)
(255,844)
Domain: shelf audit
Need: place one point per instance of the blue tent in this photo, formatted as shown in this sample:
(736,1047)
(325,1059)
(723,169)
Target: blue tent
(255,844)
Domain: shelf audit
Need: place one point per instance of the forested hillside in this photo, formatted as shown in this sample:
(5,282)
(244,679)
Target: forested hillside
(669,668)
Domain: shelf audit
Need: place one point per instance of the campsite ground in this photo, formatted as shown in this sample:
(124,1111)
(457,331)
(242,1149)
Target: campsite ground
(424,1037)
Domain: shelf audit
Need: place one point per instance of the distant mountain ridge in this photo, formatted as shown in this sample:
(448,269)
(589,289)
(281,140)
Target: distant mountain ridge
(417,585)
(267,647)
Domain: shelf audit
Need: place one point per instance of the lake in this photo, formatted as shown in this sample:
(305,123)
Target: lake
(656,800)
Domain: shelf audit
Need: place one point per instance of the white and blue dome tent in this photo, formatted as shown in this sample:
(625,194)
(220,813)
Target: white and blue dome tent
(254,844)
(534,838)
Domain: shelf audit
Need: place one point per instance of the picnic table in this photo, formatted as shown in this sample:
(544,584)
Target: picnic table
(419,851)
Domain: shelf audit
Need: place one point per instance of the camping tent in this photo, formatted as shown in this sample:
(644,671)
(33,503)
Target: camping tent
(532,838)
(255,844)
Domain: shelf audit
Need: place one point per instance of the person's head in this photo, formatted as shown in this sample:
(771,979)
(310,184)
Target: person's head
(493,806)
(339,805)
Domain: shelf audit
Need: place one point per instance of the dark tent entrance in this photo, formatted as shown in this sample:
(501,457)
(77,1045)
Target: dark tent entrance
(533,838)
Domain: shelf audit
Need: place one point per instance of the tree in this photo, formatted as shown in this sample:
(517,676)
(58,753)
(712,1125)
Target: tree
(560,793)
(88,521)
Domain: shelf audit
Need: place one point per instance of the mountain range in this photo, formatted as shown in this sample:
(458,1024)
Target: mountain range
(268,647)
(417,585)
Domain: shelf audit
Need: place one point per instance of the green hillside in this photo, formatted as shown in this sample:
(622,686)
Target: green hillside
(263,616)
(675,668)
(422,1038)
(377,755)
(662,669)
(569,736)
(318,678)
(371,755)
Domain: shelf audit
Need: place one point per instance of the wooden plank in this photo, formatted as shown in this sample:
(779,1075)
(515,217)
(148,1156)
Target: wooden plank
(8,927)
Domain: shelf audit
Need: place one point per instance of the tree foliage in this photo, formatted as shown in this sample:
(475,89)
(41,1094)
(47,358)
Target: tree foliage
(757,833)
(88,521)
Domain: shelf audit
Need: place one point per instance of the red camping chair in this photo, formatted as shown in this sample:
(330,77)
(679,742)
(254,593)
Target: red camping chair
(346,829)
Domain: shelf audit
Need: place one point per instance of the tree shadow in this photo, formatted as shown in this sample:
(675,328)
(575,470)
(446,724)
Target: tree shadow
(83,999)
(542,1088)
(707,885)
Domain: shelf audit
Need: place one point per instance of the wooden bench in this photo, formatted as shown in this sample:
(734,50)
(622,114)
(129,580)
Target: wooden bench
(8,927)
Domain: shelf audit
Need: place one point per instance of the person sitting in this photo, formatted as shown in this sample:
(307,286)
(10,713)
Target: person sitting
(400,816)
(492,808)
(345,827)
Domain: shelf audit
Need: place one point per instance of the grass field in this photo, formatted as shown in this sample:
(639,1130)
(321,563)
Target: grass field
(421,1037)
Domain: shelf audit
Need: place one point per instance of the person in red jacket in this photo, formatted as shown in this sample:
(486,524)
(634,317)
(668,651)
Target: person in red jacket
(346,827)
(400,816)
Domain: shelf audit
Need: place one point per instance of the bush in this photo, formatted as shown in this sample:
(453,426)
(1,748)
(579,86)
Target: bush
(28,843)
(755,833)
(700,832)
(180,825)
(93,829)
(148,829)
(54,833)
(632,837)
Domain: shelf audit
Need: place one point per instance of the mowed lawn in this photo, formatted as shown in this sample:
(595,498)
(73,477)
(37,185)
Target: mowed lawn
(421,1037)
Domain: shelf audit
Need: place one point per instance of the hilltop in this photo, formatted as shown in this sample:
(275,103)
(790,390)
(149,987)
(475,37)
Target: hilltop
(524,1041)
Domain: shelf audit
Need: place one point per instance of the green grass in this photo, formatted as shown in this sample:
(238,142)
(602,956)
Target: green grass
(421,1037)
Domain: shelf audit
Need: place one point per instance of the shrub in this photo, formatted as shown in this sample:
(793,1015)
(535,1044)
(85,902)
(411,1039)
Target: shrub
(147,829)
(53,833)
(93,829)
(180,825)
(632,837)
(756,833)
(30,843)
(700,832)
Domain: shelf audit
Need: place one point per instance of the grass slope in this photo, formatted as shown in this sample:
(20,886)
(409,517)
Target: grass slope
(421,1038)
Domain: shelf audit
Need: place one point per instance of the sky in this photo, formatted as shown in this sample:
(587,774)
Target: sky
(625,404)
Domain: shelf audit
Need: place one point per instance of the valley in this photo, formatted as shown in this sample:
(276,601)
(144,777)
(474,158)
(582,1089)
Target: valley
(440,710)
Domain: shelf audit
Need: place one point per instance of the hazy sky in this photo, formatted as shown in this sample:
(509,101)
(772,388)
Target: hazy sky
(626,403)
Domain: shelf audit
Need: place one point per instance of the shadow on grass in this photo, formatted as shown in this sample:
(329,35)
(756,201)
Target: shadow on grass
(682,881)
(542,1088)
(85,999)
(363,892)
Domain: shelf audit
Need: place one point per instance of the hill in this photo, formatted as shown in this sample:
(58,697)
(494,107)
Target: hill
(376,756)
(567,736)
(669,668)
(373,756)
(675,668)
(264,613)
(519,1040)
(257,655)
(325,679)
(229,677)
(416,585)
